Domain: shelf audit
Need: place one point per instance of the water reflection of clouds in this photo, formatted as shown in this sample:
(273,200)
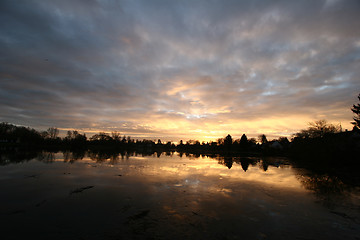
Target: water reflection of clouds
(282,177)
(215,179)
(194,171)
(176,194)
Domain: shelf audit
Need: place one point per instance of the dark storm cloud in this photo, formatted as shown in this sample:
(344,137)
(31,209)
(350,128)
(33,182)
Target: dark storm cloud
(140,66)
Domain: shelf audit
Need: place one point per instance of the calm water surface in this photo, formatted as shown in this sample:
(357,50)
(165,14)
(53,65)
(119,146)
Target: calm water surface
(62,196)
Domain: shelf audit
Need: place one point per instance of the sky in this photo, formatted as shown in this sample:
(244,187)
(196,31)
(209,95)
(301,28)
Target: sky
(186,69)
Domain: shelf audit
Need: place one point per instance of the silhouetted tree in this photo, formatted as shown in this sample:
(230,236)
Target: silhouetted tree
(228,141)
(243,142)
(69,135)
(252,141)
(318,129)
(116,136)
(284,141)
(75,139)
(44,134)
(53,132)
(190,142)
(356,110)
(10,133)
(262,139)
(101,137)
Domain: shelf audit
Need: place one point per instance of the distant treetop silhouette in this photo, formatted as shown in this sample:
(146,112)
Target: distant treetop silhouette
(356,111)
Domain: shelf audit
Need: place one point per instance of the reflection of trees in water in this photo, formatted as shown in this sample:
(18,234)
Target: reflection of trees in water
(228,161)
(47,157)
(328,189)
(71,157)
(324,184)
(169,154)
(264,165)
(103,156)
(125,156)
(187,155)
(113,158)
(245,162)
(15,155)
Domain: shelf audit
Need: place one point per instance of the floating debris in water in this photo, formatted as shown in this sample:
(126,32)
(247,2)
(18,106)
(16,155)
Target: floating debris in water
(138,216)
(79,190)
(40,203)
(32,176)
(18,211)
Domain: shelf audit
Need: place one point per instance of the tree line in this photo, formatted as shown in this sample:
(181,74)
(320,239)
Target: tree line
(319,139)
(11,134)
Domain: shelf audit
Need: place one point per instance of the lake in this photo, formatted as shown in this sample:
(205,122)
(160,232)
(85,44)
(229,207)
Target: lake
(171,196)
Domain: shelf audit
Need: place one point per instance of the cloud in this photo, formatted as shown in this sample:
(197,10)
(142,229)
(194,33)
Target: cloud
(198,69)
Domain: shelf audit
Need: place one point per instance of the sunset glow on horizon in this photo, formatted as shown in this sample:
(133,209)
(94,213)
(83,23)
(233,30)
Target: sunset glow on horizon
(179,69)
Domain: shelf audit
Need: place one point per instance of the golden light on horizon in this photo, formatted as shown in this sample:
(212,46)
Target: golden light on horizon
(209,129)
(150,76)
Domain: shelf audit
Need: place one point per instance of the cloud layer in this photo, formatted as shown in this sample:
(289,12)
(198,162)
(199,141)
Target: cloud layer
(197,69)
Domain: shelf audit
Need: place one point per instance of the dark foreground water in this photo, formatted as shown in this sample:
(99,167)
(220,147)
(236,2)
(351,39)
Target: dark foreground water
(59,196)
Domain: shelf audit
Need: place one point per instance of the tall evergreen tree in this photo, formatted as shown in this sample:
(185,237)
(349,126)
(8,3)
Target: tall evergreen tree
(228,140)
(262,138)
(243,142)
